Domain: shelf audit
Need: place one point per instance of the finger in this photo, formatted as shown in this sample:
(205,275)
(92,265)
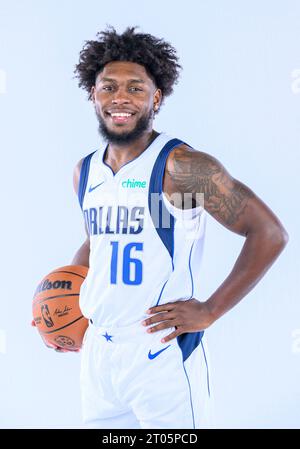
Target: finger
(51,346)
(171,336)
(162,308)
(66,350)
(60,349)
(161,326)
(158,317)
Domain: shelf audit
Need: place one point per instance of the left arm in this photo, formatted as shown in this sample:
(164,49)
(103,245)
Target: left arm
(237,208)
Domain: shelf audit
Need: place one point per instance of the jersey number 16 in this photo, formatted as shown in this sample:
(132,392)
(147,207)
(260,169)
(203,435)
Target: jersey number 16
(129,264)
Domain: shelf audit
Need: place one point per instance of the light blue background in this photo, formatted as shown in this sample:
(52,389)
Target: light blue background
(238,99)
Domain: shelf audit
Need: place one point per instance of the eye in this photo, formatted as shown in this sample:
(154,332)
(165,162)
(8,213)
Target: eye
(136,89)
(107,87)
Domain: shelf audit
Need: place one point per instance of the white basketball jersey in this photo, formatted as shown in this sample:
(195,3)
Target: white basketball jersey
(143,250)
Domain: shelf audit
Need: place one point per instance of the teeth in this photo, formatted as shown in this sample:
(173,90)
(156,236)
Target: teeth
(120,114)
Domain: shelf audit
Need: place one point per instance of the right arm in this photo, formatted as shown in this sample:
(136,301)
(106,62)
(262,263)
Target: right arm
(82,255)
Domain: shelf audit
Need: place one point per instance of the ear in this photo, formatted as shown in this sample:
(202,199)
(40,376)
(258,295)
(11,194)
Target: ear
(157,99)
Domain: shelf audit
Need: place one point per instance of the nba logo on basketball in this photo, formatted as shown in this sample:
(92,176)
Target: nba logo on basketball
(46,315)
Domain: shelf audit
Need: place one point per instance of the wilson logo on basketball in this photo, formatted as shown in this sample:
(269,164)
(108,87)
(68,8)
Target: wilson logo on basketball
(48,285)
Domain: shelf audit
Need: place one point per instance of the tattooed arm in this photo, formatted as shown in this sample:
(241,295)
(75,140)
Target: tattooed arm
(237,208)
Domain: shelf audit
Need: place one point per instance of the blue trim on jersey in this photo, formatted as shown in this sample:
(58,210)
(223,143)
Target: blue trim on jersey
(190,395)
(129,162)
(208,386)
(190,268)
(188,342)
(166,234)
(161,293)
(114,174)
(84,174)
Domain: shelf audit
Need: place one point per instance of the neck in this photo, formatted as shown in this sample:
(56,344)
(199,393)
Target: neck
(117,155)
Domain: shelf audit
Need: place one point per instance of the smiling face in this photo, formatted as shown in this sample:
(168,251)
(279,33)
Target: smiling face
(125,98)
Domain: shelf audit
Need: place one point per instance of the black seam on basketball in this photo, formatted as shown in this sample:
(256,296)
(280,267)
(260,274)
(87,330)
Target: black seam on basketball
(69,324)
(70,272)
(53,297)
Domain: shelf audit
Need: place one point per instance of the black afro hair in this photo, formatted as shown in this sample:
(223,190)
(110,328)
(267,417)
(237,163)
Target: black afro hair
(156,55)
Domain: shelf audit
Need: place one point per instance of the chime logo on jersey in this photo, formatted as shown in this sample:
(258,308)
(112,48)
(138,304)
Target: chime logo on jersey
(114,220)
(133,183)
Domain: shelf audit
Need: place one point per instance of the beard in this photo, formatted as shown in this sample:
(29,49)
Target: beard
(125,137)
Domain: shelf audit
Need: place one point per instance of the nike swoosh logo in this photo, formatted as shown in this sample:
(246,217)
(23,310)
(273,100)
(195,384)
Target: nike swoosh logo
(95,187)
(152,356)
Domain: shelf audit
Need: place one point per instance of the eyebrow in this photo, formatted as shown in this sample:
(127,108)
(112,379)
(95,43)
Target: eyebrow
(132,80)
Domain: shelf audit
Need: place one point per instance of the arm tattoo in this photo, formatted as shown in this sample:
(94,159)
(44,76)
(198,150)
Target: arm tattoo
(196,172)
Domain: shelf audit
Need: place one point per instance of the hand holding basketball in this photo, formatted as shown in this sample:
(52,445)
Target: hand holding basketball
(56,311)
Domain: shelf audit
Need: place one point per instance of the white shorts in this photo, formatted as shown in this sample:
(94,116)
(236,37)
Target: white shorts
(130,380)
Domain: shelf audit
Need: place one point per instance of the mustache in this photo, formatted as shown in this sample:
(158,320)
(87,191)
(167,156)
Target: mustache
(143,124)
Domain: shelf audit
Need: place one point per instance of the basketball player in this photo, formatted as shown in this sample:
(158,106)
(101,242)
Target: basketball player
(144,197)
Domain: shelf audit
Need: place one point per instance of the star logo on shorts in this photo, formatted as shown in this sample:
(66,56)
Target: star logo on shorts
(108,337)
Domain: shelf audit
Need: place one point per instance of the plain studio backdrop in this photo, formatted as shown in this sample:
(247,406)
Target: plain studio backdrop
(238,99)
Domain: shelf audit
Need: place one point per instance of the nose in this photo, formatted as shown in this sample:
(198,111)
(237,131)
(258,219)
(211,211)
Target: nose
(120,97)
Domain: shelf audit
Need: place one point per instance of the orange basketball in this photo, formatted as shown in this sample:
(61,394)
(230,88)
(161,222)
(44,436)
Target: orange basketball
(55,307)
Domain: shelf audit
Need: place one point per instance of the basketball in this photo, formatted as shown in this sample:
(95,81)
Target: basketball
(56,310)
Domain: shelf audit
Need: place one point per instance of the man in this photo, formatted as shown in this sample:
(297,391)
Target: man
(144,361)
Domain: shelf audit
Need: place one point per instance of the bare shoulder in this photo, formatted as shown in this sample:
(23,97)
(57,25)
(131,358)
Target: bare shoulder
(190,171)
(76,175)
(227,199)
(184,159)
